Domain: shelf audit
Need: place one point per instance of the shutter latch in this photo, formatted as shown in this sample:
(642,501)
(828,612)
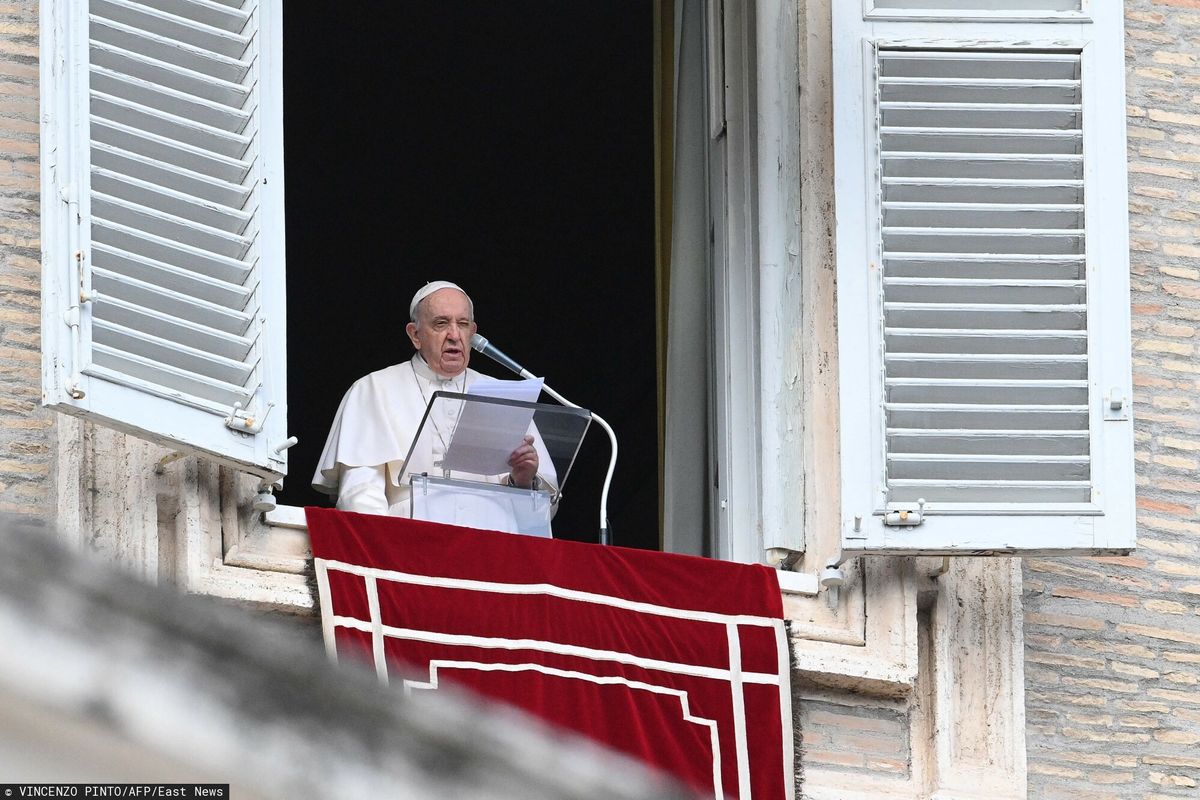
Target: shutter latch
(906,517)
(1116,405)
(245,421)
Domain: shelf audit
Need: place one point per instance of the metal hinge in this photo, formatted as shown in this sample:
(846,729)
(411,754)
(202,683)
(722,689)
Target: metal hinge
(72,316)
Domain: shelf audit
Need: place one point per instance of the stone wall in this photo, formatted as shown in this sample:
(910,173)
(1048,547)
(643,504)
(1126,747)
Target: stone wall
(1113,644)
(25,429)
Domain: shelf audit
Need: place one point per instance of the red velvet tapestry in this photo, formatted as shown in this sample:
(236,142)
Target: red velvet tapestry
(679,661)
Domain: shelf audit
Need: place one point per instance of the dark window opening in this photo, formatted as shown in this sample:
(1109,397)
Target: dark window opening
(504,146)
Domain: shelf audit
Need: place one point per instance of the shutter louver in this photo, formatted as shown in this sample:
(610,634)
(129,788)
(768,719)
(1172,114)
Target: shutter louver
(172,197)
(168,161)
(961,6)
(985,306)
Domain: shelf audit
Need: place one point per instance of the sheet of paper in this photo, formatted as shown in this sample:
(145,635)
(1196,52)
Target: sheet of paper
(526,391)
(487,433)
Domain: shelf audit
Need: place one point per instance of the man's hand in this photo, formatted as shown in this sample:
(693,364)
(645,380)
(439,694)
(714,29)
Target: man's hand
(523,464)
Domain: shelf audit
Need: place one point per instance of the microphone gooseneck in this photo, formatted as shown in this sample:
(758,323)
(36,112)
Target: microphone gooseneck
(480,344)
(605,527)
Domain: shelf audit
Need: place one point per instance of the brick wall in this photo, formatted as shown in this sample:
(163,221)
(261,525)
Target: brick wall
(1112,646)
(25,429)
(854,737)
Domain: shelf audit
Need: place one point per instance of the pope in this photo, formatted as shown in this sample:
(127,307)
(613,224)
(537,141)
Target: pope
(363,461)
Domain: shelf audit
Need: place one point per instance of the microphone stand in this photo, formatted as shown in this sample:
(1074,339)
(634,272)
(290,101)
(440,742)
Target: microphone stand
(605,531)
(480,344)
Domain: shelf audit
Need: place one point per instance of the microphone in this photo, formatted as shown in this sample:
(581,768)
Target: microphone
(481,344)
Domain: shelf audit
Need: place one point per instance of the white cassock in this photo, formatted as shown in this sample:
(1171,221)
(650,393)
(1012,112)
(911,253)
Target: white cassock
(363,461)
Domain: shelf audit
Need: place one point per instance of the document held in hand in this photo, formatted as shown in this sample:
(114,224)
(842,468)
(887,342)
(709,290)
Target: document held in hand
(487,433)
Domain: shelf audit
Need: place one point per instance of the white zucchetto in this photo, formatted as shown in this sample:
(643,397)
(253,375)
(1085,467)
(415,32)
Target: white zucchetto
(430,288)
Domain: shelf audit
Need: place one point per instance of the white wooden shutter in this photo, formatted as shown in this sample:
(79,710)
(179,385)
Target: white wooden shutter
(162,222)
(983,281)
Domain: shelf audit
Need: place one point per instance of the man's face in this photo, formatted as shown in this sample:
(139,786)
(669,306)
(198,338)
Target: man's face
(443,330)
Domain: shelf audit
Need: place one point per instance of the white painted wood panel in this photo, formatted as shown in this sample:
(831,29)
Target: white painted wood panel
(163,264)
(983,285)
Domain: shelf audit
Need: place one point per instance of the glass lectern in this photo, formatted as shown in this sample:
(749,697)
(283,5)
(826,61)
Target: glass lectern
(457,465)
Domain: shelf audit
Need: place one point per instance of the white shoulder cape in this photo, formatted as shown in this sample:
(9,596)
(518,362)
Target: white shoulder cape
(375,424)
